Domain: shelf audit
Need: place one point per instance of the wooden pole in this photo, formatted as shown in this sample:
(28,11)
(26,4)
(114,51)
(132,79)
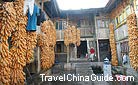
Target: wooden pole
(38,54)
(75,51)
(67,53)
(42,4)
(67,45)
(39,62)
(97,35)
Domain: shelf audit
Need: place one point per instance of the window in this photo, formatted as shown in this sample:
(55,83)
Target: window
(124,47)
(124,15)
(128,11)
(107,23)
(121,17)
(102,23)
(86,22)
(136,4)
(60,25)
(117,21)
(79,24)
(82,23)
(57,25)
(64,24)
(99,23)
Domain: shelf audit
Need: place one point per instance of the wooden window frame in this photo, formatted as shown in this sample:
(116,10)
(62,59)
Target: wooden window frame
(128,12)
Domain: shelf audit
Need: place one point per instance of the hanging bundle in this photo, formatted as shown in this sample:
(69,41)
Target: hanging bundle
(72,35)
(114,60)
(66,42)
(7,24)
(31,41)
(47,41)
(18,47)
(78,37)
(133,40)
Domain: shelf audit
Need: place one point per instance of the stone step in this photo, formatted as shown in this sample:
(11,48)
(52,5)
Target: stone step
(82,65)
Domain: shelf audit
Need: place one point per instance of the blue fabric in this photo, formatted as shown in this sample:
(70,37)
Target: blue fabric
(32,20)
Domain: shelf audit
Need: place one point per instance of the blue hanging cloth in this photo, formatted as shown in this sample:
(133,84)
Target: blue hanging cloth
(32,19)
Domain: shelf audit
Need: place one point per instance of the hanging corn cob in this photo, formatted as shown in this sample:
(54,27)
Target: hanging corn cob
(8,23)
(5,64)
(78,37)
(72,35)
(133,40)
(18,49)
(47,41)
(66,42)
(114,60)
(31,41)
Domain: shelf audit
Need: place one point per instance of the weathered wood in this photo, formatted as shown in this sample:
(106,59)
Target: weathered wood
(119,9)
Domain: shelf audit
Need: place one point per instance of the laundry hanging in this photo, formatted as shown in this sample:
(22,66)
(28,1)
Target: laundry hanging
(32,19)
(29,5)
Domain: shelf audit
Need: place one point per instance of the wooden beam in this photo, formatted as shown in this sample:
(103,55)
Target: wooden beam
(42,4)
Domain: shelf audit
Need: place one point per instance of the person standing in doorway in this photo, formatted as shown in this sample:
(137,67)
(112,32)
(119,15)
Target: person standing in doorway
(92,52)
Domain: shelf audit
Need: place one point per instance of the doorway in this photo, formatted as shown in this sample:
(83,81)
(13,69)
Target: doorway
(82,49)
(104,50)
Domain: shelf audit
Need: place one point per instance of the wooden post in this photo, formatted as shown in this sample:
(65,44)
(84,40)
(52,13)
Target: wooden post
(97,36)
(39,62)
(75,51)
(67,53)
(42,4)
(38,53)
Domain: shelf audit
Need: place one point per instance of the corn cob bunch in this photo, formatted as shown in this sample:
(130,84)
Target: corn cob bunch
(52,30)
(18,62)
(13,24)
(72,35)
(18,49)
(47,57)
(66,38)
(5,64)
(133,40)
(47,41)
(114,60)
(31,41)
(48,28)
(78,37)
(7,24)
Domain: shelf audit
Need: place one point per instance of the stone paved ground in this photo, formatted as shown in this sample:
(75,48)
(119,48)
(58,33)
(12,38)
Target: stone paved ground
(81,68)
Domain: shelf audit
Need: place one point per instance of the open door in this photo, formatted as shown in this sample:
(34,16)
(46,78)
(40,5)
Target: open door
(82,49)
